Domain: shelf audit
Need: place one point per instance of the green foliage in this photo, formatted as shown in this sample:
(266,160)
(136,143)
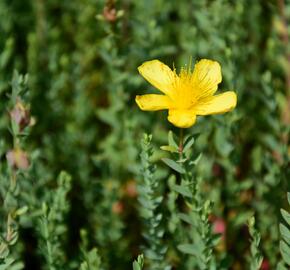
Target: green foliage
(198,210)
(75,113)
(150,200)
(17,163)
(51,224)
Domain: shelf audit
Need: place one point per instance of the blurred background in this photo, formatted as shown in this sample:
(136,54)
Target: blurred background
(82,58)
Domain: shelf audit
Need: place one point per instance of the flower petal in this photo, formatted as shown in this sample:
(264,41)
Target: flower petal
(153,102)
(159,75)
(181,118)
(217,104)
(206,77)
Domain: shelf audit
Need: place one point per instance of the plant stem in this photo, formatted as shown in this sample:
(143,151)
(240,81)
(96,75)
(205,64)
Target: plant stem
(180,143)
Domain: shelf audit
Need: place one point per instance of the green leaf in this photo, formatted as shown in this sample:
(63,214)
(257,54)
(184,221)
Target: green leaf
(251,221)
(188,143)
(17,266)
(148,205)
(169,148)
(281,266)
(186,218)
(286,216)
(171,140)
(196,160)
(183,190)
(138,264)
(174,165)
(21,211)
(10,264)
(242,218)
(188,249)
(216,239)
(285,233)
(7,263)
(285,251)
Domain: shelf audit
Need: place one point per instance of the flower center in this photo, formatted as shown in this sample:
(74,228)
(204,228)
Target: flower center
(184,90)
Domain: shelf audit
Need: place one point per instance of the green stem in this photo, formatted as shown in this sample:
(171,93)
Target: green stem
(180,143)
(13,180)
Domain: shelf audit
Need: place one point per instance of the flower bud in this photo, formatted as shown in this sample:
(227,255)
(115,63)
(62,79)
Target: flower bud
(17,159)
(20,115)
(110,13)
(131,189)
(118,207)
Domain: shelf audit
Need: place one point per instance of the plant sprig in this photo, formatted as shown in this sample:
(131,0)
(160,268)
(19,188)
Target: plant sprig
(150,201)
(256,258)
(202,240)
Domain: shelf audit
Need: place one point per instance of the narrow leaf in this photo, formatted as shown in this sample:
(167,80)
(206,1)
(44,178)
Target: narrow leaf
(136,266)
(285,251)
(286,216)
(285,233)
(186,218)
(169,148)
(194,162)
(171,140)
(188,249)
(188,143)
(183,190)
(173,165)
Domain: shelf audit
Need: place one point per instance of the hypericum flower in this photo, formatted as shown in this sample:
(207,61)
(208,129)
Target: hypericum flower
(185,95)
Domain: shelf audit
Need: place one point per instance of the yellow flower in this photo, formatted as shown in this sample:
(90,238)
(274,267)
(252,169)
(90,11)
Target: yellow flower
(185,95)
